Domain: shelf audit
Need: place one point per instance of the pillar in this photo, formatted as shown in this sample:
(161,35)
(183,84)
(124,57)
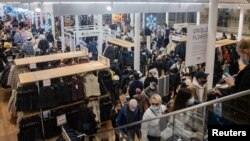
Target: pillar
(62,34)
(212,28)
(53,29)
(36,19)
(100,36)
(132,19)
(167,18)
(241,23)
(77,29)
(198,18)
(148,42)
(143,21)
(137,42)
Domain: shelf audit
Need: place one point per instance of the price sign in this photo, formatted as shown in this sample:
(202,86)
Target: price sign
(33,66)
(10,58)
(46,82)
(61,120)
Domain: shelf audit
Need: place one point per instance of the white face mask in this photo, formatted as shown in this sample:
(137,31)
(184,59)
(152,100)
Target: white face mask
(132,109)
(155,108)
(190,101)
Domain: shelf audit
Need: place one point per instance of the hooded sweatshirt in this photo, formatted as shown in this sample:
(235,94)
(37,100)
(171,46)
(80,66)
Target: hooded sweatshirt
(199,92)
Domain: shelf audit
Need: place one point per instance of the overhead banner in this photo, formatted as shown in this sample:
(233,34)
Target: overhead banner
(196,44)
(87,33)
(116,18)
(1,10)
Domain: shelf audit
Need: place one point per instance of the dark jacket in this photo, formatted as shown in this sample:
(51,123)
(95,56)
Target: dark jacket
(28,48)
(122,118)
(50,38)
(132,87)
(77,89)
(242,80)
(87,123)
(43,45)
(148,80)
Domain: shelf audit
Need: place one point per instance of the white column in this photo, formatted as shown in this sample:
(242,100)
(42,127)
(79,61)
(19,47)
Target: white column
(198,18)
(148,42)
(167,18)
(143,21)
(53,29)
(41,16)
(100,36)
(212,28)
(41,20)
(137,42)
(77,28)
(36,19)
(62,34)
(132,19)
(241,23)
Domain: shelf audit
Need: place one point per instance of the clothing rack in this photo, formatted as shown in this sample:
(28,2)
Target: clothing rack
(46,75)
(52,57)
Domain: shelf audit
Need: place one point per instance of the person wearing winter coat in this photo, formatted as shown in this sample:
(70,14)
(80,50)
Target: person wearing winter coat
(28,47)
(151,90)
(128,114)
(142,99)
(87,123)
(113,115)
(199,87)
(43,44)
(150,78)
(184,126)
(136,83)
(151,129)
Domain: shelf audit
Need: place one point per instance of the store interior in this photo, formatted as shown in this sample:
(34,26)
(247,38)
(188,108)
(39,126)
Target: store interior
(65,67)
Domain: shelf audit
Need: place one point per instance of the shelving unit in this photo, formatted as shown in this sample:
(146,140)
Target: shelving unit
(31,77)
(35,77)
(121,43)
(52,57)
(225,42)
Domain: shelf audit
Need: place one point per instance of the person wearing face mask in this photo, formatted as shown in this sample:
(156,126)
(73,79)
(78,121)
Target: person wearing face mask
(241,81)
(151,89)
(150,78)
(113,115)
(199,87)
(183,128)
(128,114)
(151,129)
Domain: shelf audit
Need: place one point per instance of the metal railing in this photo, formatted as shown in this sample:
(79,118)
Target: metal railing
(202,105)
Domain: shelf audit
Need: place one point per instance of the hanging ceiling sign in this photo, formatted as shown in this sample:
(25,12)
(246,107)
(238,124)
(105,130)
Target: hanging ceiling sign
(116,18)
(196,45)
(87,33)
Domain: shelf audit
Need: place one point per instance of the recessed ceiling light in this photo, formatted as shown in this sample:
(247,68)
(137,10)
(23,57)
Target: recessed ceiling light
(109,8)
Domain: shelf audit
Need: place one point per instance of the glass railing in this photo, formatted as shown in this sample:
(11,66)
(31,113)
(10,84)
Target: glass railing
(189,124)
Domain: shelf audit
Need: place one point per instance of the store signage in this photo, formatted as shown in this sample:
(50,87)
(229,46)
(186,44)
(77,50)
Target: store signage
(196,44)
(33,66)
(1,10)
(61,120)
(46,82)
(116,18)
(87,33)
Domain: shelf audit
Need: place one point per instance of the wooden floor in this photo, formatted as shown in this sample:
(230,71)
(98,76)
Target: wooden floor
(8,130)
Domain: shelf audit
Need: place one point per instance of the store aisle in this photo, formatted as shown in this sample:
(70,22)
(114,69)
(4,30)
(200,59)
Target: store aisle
(8,130)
